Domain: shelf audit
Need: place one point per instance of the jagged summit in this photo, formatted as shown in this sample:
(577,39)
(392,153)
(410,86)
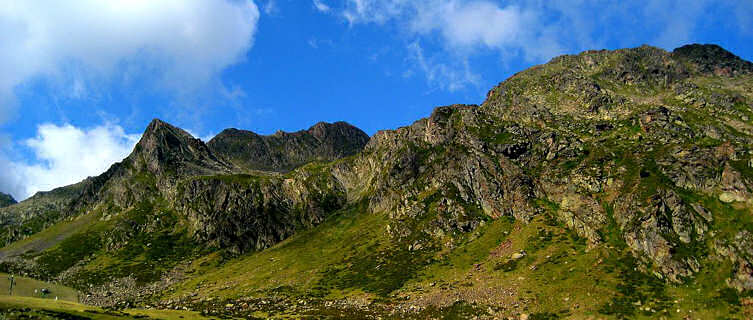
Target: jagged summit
(164,148)
(319,130)
(283,151)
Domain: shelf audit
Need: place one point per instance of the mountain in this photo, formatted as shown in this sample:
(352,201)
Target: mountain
(6,200)
(608,184)
(285,151)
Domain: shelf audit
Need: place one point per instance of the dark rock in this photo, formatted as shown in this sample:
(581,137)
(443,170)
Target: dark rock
(285,151)
(713,59)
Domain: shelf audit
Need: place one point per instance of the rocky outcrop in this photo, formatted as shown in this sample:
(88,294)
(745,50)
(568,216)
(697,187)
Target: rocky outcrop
(284,151)
(167,150)
(441,173)
(164,155)
(245,213)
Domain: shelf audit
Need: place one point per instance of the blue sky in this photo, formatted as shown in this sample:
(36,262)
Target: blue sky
(80,81)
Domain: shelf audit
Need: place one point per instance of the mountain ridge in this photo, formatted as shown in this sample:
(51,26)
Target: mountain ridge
(284,151)
(617,179)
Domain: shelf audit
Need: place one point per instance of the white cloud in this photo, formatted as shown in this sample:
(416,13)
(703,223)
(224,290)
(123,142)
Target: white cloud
(319,43)
(462,28)
(321,6)
(376,11)
(271,8)
(537,30)
(66,155)
(446,75)
(182,45)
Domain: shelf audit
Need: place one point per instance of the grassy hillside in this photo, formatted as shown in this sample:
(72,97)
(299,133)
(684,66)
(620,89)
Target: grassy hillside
(344,265)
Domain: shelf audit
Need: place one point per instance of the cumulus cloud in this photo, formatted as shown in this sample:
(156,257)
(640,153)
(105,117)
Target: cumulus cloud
(65,155)
(180,44)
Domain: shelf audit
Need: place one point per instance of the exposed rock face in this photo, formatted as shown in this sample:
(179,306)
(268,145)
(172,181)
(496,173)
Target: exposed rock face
(253,213)
(164,155)
(432,169)
(284,151)
(6,200)
(622,130)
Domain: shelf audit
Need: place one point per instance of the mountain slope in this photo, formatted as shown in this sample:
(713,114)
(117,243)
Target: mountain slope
(609,184)
(171,199)
(40,211)
(642,153)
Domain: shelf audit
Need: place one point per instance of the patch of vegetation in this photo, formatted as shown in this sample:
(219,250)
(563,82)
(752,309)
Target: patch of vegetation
(507,266)
(143,242)
(13,307)
(636,288)
(538,241)
(28,287)
(69,252)
(544,316)
(382,271)
(37,223)
(457,311)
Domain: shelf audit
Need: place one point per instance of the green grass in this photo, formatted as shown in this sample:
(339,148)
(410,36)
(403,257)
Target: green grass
(123,248)
(28,287)
(12,307)
(105,249)
(69,252)
(298,261)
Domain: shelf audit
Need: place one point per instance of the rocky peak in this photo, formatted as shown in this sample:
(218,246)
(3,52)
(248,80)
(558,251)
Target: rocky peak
(6,200)
(165,148)
(160,135)
(606,84)
(323,130)
(284,151)
(711,58)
